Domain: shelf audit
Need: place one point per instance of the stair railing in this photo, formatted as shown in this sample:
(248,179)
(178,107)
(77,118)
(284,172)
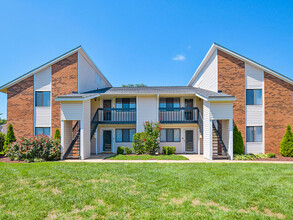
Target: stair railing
(76,133)
(220,139)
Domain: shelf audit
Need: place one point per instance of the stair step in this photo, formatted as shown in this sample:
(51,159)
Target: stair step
(72,157)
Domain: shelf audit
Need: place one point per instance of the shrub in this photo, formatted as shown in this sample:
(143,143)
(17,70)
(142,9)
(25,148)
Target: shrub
(147,141)
(138,143)
(168,150)
(57,135)
(10,138)
(120,150)
(287,143)
(128,150)
(254,156)
(238,146)
(37,148)
(271,155)
(2,139)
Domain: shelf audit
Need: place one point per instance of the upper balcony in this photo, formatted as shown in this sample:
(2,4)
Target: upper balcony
(178,115)
(115,116)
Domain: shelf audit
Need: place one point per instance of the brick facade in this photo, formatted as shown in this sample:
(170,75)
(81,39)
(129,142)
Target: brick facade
(278,111)
(64,81)
(20,107)
(231,80)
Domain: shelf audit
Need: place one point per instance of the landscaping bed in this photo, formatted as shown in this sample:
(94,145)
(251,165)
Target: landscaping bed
(54,190)
(146,157)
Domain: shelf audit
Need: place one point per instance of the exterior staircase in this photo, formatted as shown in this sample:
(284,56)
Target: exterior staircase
(219,148)
(73,151)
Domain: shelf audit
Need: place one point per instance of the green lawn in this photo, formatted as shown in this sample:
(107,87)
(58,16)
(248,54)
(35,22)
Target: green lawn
(146,191)
(146,157)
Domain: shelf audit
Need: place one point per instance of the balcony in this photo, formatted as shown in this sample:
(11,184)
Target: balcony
(178,115)
(115,116)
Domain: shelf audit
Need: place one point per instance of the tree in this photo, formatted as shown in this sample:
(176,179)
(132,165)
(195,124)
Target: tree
(286,149)
(2,139)
(57,135)
(134,85)
(147,141)
(238,146)
(10,138)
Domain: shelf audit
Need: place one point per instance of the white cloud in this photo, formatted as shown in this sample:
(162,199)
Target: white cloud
(179,57)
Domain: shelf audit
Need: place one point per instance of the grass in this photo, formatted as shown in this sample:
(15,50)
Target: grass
(146,157)
(146,191)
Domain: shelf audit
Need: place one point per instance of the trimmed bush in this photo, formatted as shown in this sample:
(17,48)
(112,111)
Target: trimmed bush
(37,148)
(128,150)
(287,143)
(147,141)
(253,156)
(238,146)
(10,138)
(271,155)
(120,150)
(57,135)
(2,140)
(168,150)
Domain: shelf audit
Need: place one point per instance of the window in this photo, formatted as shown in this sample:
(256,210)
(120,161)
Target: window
(42,98)
(170,135)
(43,130)
(125,103)
(169,103)
(254,134)
(253,97)
(124,135)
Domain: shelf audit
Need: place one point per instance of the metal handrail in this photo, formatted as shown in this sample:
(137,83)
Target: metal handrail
(178,115)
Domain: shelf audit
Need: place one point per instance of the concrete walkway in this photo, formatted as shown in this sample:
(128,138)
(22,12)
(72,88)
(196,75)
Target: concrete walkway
(192,158)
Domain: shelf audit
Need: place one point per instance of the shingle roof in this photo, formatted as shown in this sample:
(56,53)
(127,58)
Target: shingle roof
(149,90)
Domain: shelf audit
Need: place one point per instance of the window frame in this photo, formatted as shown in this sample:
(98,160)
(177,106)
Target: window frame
(253,96)
(173,141)
(253,133)
(167,101)
(125,101)
(129,140)
(42,97)
(43,131)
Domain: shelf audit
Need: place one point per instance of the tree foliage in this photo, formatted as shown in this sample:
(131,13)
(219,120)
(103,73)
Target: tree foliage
(10,138)
(286,149)
(147,141)
(134,85)
(238,146)
(57,135)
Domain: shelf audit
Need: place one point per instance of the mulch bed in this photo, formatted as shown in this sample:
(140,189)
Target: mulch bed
(278,158)
(7,160)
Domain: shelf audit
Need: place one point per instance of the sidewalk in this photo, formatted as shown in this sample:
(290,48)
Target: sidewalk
(193,158)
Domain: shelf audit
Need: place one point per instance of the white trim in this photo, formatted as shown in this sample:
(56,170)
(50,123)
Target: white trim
(214,99)
(198,141)
(62,139)
(102,138)
(183,131)
(76,99)
(240,57)
(97,140)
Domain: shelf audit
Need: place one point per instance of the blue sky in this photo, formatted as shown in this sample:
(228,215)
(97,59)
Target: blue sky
(151,42)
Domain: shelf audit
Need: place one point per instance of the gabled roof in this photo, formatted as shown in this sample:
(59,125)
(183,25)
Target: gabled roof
(4,87)
(216,46)
(152,90)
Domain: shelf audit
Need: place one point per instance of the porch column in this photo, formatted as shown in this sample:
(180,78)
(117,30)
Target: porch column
(85,130)
(62,139)
(231,138)
(198,141)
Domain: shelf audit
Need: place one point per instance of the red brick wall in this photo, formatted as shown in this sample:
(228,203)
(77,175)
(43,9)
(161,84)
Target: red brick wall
(20,107)
(278,111)
(64,81)
(231,80)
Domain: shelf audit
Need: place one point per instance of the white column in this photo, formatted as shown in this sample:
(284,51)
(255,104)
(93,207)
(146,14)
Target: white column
(198,140)
(211,139)
(81,140)
(231,138)
(62,139)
